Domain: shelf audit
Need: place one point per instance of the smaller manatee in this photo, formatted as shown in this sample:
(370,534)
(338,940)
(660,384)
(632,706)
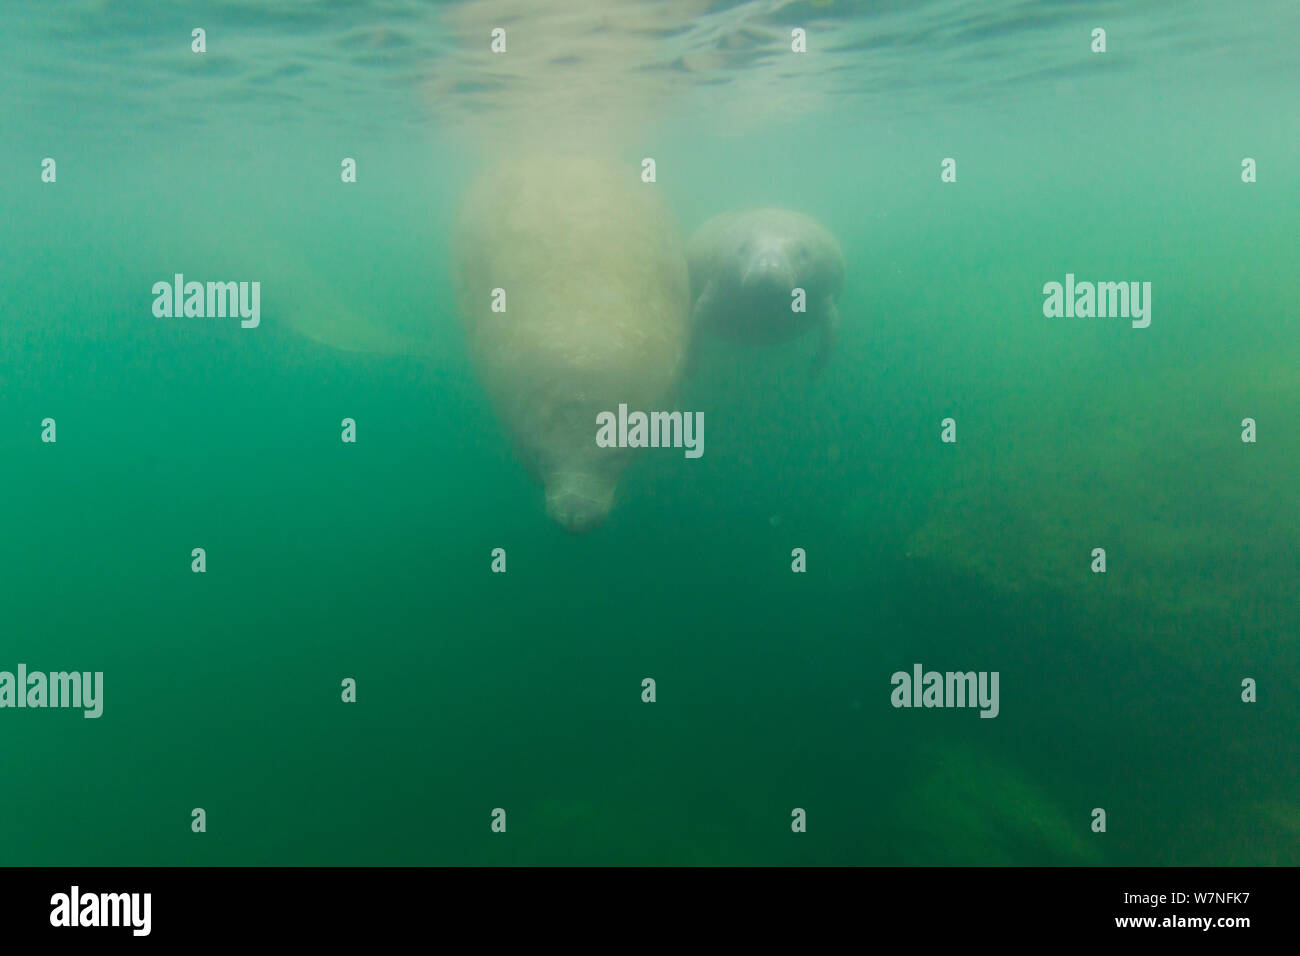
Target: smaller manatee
(745,267)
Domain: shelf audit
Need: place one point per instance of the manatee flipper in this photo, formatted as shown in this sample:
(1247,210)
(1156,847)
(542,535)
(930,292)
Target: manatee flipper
(308,292)
(699,317)
(829,334)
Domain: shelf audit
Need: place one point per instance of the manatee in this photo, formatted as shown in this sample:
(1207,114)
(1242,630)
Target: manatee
(596,313)
(744,268)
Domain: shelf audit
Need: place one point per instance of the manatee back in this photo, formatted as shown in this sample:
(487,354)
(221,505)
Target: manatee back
(594,274)
(596,303)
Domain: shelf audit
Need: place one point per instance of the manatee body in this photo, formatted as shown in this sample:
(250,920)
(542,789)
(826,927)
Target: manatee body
(745,266)
(597,313)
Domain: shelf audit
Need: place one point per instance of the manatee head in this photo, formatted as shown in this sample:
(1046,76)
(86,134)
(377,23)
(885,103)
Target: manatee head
(579,501)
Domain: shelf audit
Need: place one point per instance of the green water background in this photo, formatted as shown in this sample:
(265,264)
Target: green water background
(522,690)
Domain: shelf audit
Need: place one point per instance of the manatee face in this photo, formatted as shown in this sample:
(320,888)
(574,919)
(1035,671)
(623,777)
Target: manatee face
(768,251)
(769,263)
(578,501)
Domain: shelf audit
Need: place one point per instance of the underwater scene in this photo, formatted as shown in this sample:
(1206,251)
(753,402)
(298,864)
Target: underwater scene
(650,432)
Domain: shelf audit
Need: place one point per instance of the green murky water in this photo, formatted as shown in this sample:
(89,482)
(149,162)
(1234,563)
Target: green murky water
(522,691)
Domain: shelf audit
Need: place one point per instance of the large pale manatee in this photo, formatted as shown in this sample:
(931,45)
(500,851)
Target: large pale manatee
(596,313)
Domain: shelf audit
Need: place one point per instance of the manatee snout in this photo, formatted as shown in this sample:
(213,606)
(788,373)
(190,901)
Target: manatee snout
(768,270)
(579,502)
